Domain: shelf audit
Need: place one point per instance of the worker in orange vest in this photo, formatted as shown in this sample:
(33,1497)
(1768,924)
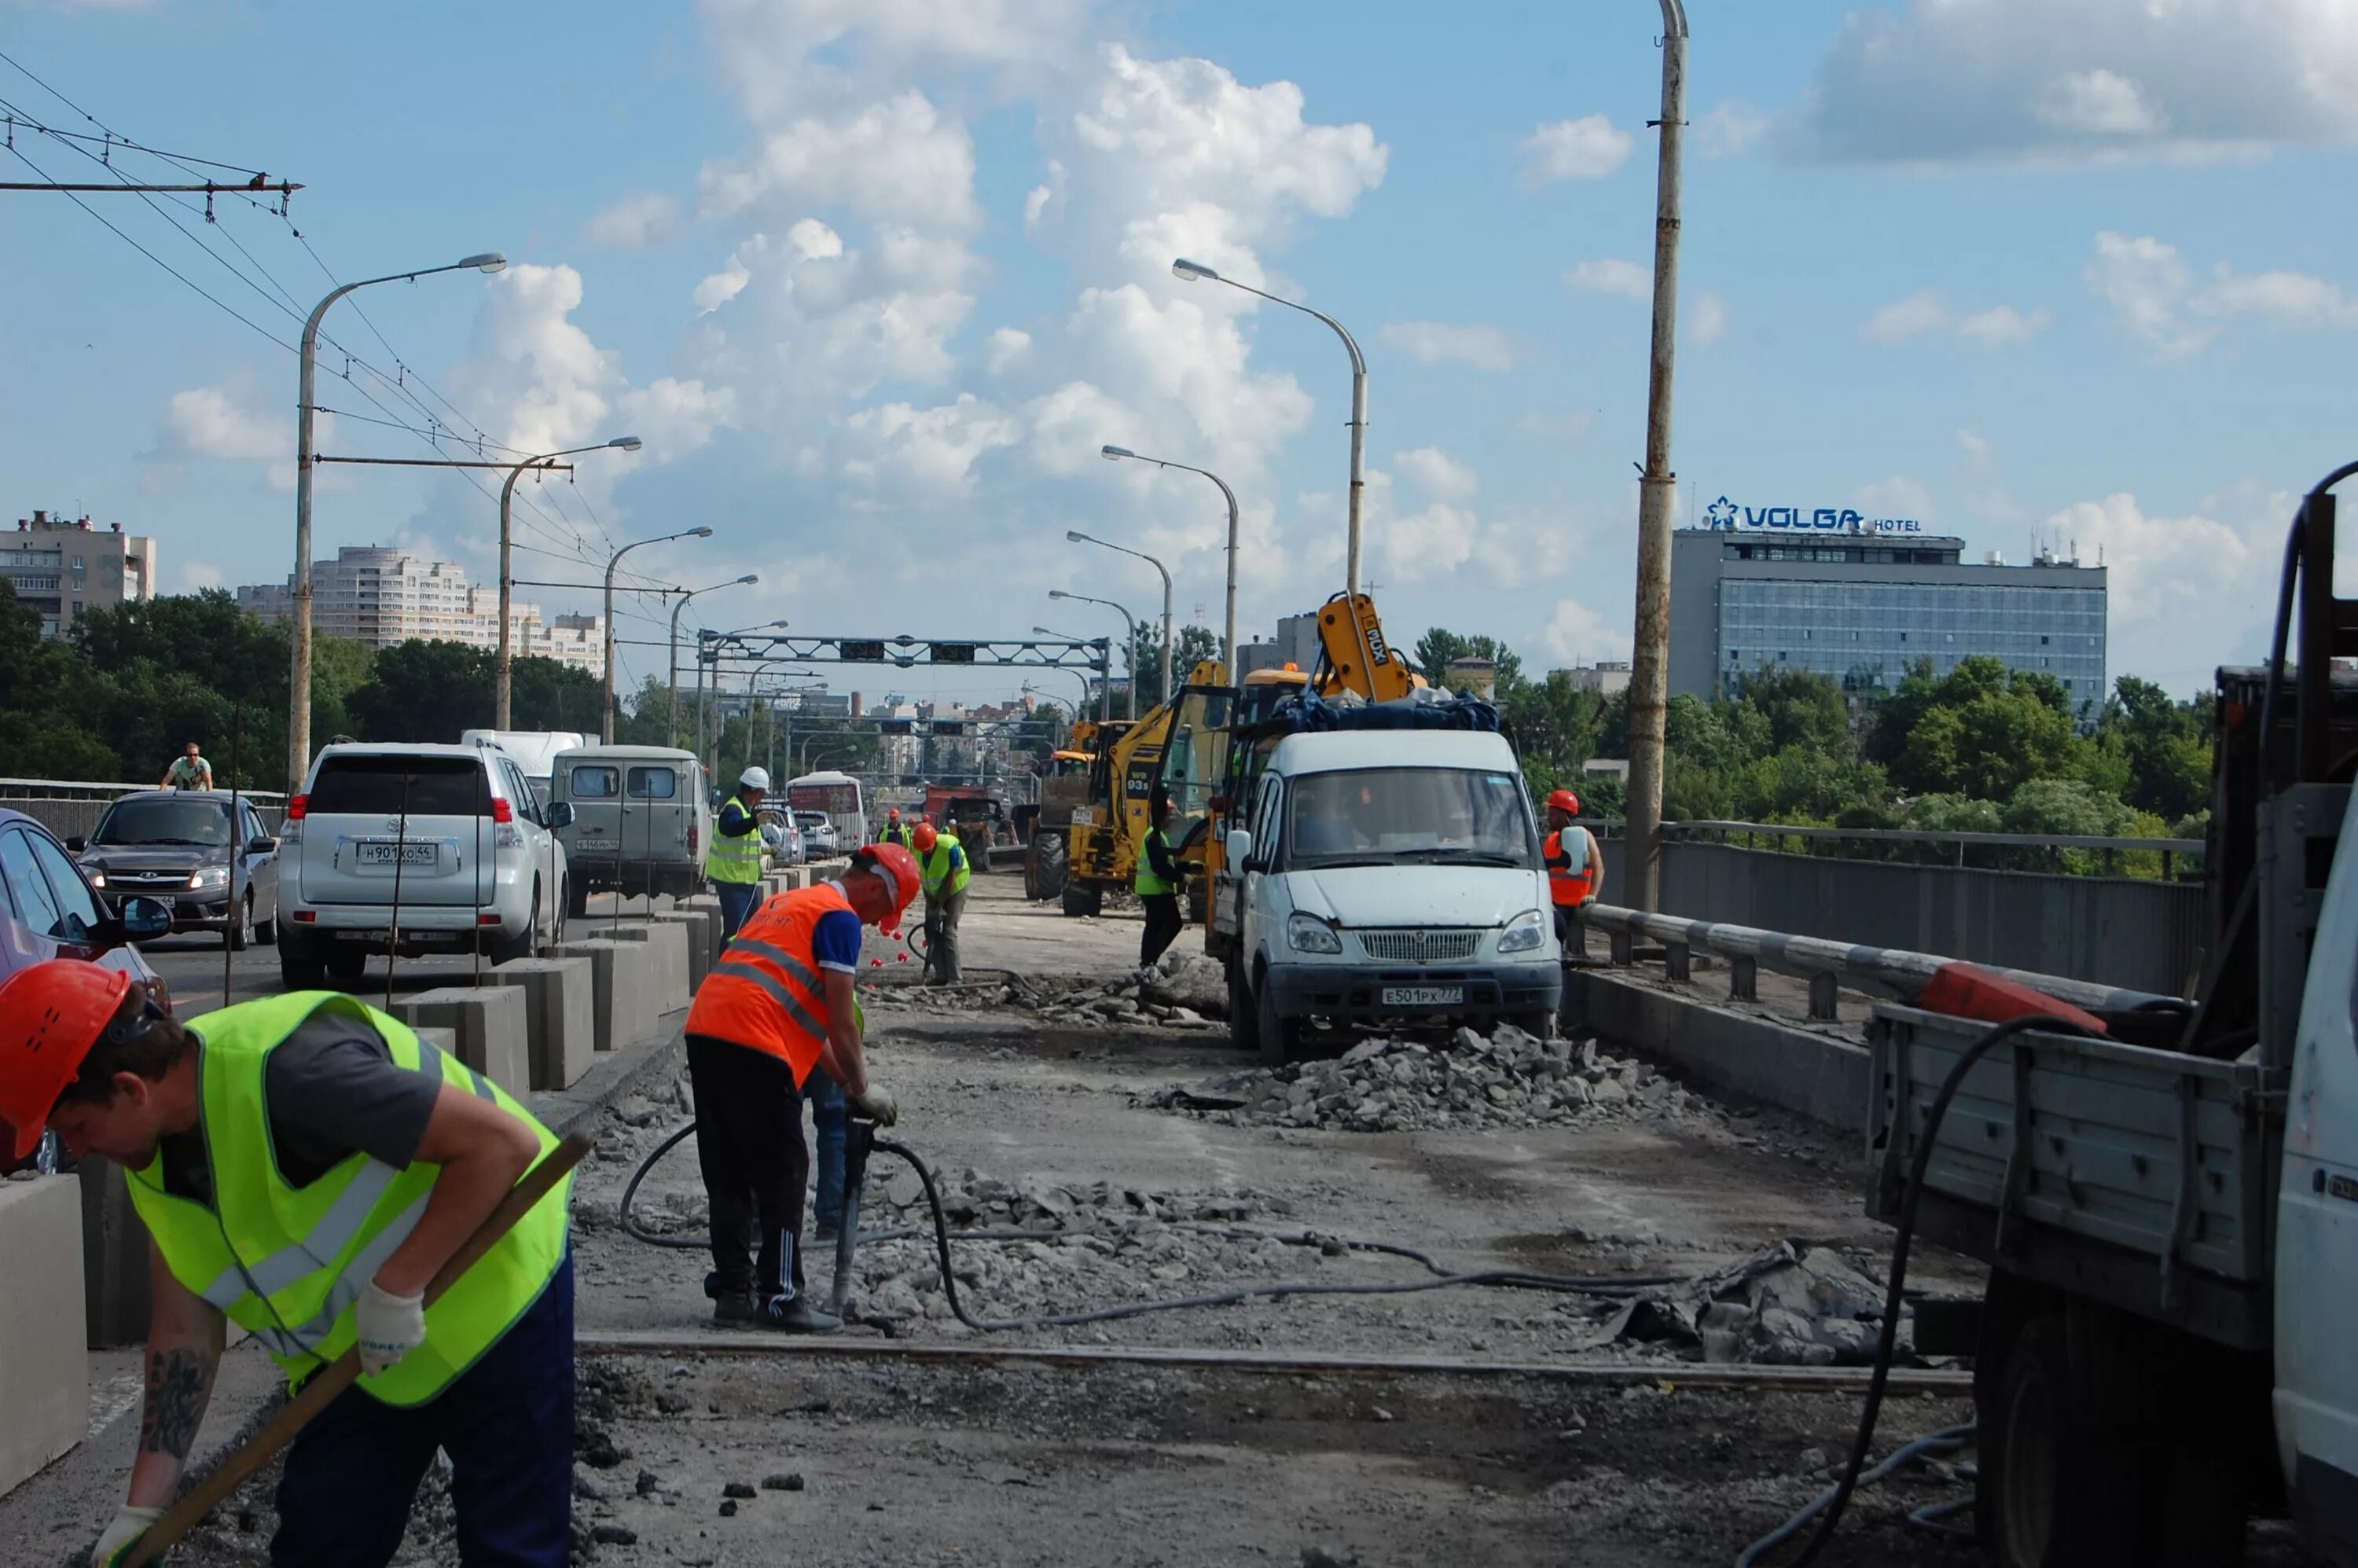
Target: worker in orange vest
(1576,867)
(777,1006)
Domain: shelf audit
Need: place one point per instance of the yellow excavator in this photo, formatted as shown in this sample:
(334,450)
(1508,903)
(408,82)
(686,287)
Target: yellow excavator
(1086,839)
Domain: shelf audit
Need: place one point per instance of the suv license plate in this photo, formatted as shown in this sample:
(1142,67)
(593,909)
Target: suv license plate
(1423,996)
(411,854)
(597,843)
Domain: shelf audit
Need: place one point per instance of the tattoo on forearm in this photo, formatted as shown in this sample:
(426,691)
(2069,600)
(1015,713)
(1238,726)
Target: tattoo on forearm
(179,1383)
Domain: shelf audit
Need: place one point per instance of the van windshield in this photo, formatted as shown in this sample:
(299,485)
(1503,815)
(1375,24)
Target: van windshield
(1385,816)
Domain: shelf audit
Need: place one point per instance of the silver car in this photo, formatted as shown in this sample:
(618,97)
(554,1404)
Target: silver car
(419,849)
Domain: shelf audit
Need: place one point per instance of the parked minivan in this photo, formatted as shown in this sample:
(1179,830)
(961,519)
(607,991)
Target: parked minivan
(453,833)
(1387,874)
(639,823)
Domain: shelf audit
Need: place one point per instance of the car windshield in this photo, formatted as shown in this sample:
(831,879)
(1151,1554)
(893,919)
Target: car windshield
(158,820)
(1432,815)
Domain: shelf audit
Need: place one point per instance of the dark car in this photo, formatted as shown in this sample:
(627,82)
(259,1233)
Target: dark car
(178,847)
(48,911)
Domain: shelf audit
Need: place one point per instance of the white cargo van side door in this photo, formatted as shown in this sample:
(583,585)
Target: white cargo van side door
(1267,818)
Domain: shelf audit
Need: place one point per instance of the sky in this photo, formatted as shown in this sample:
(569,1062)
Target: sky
(875,279)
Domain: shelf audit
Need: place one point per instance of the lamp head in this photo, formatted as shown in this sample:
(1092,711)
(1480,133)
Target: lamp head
(700,533)
(1115,454)
(1188,272)
(625,443)
(750,578)
(1042,631)
(1058,593)
(1078,537)
(489,261)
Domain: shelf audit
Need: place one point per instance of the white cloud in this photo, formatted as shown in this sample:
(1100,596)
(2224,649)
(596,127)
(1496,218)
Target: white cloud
(636,223)
(1928,312)
(924,456)
(1436,473)
(1610,275)
(2153,289)
(1590,147)
(2281,299)
(1580,635)
(1976,447)
(1708,321)
(217,423)
(1898,496)
(1729,129)
(1435,342)
(675,417)
(1569,425)
(195,577)
(2095,80)
(1006,346)
(897,159)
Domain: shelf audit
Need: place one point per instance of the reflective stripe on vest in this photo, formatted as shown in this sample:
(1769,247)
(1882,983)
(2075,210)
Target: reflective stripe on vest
(1571,878)
(734,860)
(287,1263)
(1148,884)
(766,994)
(946,872)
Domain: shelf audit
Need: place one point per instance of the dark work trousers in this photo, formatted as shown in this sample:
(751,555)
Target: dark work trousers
(507,1424)
(1162,925)
(749,1139)
(942,916)
(831,1125)
(738,900)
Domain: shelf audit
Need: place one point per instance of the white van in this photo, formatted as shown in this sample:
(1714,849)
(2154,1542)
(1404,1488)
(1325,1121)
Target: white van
(534,751)
(640,824)
(1387,874)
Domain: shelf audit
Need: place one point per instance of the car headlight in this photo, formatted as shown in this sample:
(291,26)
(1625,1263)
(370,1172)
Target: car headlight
(1308,933)
(97,877)
(209,877)
(1525,932)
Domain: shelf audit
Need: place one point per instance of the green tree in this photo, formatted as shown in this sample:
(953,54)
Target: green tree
(1196,645)
(1802,708)
(1439,645)
(423,690)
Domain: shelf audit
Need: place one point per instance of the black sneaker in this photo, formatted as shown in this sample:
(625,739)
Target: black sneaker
(794,1314)
(740,1308)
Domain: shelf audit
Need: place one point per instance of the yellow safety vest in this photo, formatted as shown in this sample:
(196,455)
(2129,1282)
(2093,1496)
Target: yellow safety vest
(946,871)
(1147,883)
(734,860)
(287,1263)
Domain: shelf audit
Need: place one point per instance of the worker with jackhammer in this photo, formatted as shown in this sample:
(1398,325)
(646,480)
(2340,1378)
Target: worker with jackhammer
(305,1165)
(1576,867)
(947,873)
(777,1007)
(734,864)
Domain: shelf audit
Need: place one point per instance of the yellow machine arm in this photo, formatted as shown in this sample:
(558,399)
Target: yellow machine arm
(1359,656)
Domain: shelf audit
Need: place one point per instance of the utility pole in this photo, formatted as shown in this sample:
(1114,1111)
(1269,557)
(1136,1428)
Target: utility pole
(1650,660)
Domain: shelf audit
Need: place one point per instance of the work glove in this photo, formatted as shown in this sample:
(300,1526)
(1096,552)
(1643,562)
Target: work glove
(880,1109)
(390,1327)
(124,1533)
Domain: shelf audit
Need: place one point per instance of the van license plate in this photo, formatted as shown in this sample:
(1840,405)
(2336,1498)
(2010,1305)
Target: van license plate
(1423,996)
(411,854)
(597,843)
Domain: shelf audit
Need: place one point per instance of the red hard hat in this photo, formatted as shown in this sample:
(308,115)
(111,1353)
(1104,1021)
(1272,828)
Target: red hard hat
(895,814)
(901,868)
(50,1015)
(923,836)
(1564,800)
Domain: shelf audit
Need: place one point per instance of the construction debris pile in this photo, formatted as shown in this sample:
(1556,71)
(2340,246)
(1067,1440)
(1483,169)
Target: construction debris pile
(1184,990)
(1385,1084)
(1794,1305)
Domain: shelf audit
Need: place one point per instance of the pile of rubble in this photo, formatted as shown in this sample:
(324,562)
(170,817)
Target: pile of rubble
(1183,991)
(1389,1085)
(1795,1305)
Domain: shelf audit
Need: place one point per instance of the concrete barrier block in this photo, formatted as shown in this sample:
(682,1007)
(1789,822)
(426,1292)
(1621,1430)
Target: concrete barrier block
(443,1040)
(669,945)
(114,1279)
(44,1368)
(622,988)
(560,1015)
(495,1036)
(701,934)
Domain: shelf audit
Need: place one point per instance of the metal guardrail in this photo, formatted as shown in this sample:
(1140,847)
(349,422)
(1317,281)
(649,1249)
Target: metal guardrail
(1829,966)
(1925,835)
(90,789)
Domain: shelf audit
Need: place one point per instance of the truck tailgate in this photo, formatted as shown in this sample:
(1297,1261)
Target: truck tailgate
(2152,1154)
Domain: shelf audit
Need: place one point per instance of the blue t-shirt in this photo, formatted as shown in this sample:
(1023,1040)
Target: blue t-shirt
(836,941)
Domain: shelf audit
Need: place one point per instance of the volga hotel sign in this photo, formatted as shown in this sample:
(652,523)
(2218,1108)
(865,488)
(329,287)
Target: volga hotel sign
(1727,514)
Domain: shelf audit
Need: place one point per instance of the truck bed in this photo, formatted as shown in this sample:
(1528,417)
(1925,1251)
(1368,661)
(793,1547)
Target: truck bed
(2136,1175)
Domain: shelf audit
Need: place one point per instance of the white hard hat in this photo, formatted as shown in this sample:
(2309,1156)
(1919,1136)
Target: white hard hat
(754,778)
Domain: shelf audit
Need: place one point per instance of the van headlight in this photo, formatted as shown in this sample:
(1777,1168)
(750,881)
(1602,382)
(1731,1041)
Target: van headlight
(1308,933)
(1525,933)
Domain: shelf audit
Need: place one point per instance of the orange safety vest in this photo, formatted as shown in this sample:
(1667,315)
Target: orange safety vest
(1572,871)
(765,992)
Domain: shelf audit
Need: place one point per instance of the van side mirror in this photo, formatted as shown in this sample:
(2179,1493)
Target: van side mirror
(560,814)
(1238,848)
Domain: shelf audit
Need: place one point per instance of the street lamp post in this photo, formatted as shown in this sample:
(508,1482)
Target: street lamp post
(1189,272)
(672,730)
(1078,537)
(1127,616)
(1105,667)
(298,681)
(1228,632)
(606,711)
(708,655)
(502,673)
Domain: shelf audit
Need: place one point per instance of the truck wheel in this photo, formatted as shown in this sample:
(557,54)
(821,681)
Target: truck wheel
(1083,899)
(1280,1038)
(1244,1020)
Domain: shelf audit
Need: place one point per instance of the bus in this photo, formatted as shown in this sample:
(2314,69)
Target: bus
(840,797)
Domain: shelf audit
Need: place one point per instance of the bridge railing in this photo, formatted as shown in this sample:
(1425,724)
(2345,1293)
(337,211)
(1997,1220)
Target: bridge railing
(71,807)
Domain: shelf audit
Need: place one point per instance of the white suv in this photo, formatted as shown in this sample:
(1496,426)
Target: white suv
(418,849)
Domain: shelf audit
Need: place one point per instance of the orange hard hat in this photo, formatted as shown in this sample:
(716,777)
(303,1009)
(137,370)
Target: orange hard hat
(1564,800)
(897,866)
(925,838)
(50,1015)
(893,815)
